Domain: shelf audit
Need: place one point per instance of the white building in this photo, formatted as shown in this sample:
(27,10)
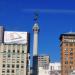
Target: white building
(55,68)
(14,53)
(52,69)
(43,71)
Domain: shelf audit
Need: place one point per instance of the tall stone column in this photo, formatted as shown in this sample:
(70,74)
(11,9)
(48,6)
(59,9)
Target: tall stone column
(35,47)
(35,40)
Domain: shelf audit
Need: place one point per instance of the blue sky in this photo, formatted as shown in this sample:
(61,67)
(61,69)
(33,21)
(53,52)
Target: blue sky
(55,17)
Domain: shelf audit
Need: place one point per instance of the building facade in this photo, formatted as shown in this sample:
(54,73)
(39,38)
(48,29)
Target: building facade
(43,60)
(14,53)
(43,71)
(55,68)
(67,44)
(43,64)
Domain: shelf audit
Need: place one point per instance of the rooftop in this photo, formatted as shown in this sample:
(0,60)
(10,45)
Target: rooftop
(70,33)
(67,34)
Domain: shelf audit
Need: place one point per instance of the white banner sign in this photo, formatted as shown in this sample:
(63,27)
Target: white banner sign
(12,37)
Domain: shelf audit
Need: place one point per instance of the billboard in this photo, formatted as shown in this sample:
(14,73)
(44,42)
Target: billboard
(13,37)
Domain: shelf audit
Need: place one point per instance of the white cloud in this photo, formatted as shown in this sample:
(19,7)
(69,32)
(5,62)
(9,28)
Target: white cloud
(49,10)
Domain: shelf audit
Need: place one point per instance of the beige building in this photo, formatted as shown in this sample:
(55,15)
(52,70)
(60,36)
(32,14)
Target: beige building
(43,64)
(67,53)
(43,60)
(14,54)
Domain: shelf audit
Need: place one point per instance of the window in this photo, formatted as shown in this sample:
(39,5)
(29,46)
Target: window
(71,53)
(22,66)
(70,67)
(71,49)
(66,58)
(71,44)
(66,62)
(8,65)
(4,51)
(3,74)
(71,62)
(46,67)
(66,53)
(66,44)
(66,48)
(71,58)
(13,51)
(3,71)
(3,65)
(22,61)
(8,70)
(8,51)
(4,61)
(8,55)
(51,67)
(4,56)
(22,51)
(12,71)
(17,61)
(18,56)
(17,66)
(18,51)
(13,66)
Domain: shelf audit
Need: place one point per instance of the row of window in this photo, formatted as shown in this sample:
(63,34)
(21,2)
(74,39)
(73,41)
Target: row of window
(69,44)
(66,62)
(7,74)
(69,68)
(71,49)
(11,71)
(13,56)
(13,74)
(66,58)
(8,71)
(13,66)
(18,51)
(13,61)
(66,53)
